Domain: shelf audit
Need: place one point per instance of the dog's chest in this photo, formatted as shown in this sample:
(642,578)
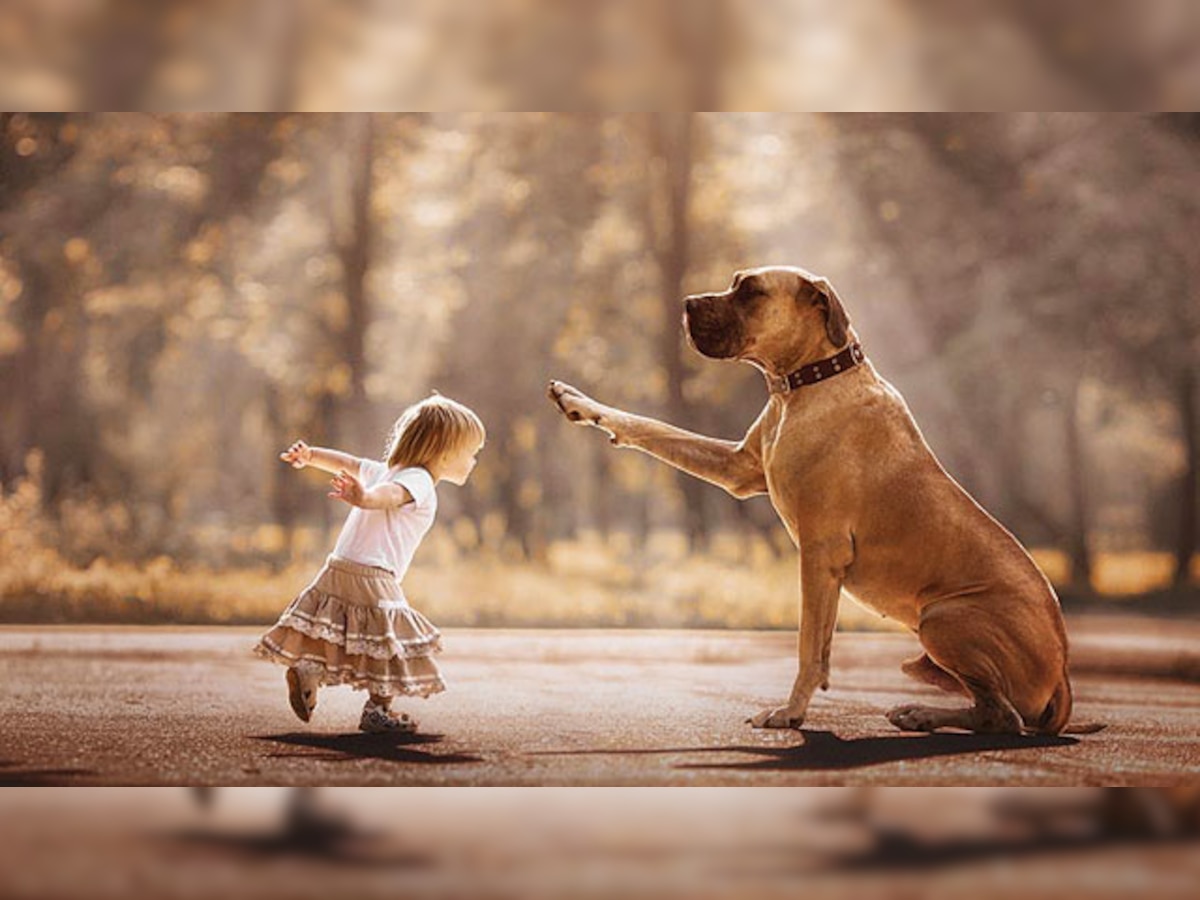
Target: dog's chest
(799,449)
(794,441)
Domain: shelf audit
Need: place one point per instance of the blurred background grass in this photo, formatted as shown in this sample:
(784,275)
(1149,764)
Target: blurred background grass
(739,582)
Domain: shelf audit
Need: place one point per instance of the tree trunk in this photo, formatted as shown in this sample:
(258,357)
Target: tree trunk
(603,487)
(52,413)
(123,56)
(286,24)
(282,483)
(641,524)
(1189,488)
(1010,463)
(517,514)
(1077,485)
(676,139)
(353,236)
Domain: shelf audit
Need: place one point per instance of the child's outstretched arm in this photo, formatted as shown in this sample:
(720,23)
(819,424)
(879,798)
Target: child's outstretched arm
(300,455)
(382,496)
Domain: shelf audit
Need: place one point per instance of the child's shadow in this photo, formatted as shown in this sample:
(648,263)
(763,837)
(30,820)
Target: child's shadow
(348,747)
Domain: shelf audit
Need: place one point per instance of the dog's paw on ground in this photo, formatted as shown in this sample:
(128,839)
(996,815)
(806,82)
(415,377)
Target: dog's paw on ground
(913,718)
(776,717)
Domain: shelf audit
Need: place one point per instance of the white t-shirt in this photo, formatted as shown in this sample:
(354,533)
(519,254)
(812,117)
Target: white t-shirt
(388,538)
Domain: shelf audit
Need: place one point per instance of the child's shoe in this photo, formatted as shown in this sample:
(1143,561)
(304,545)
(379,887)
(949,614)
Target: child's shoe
(377,720)
(302,684)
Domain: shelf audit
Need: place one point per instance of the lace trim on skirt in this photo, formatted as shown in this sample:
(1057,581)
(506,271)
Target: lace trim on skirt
(366,635)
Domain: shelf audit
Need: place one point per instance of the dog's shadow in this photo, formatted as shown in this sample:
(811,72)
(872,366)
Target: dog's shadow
(399,748)
(824,750)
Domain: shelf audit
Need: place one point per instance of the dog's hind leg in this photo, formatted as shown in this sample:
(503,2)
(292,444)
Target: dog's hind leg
(965,646)
(922,668)
(991,714)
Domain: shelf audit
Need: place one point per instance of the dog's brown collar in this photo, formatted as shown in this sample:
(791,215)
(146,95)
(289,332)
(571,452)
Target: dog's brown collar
(821,370)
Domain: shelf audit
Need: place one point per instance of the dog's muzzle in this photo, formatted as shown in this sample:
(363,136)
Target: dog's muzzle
(711,326)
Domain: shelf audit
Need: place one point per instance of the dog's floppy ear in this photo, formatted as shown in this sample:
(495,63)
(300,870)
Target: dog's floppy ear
(837,323)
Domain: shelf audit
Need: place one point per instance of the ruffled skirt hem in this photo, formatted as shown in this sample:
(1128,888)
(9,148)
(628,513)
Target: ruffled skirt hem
(353,626)
(417,681)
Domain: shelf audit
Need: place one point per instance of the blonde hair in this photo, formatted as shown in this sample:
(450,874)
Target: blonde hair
(431,428)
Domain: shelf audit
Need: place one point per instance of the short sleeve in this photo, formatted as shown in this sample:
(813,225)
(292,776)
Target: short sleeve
(370,471)
(417,482)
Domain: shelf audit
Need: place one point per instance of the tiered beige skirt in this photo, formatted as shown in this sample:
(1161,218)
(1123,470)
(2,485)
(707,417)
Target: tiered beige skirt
(353,626)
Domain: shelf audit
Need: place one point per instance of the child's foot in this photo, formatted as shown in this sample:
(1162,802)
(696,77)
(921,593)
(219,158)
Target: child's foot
(378,720)
(302,691)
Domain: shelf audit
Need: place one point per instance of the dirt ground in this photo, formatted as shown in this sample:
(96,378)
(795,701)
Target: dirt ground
(155,706)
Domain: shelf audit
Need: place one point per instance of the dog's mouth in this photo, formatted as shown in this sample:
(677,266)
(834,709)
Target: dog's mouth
(712,328)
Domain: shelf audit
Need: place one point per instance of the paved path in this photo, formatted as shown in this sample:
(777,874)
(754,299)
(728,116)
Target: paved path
(143,706)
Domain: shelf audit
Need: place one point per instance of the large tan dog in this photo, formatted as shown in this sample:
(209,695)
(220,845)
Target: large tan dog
(869,507)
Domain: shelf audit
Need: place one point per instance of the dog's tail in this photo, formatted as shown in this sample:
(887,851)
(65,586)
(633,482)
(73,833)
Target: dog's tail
(1056,717)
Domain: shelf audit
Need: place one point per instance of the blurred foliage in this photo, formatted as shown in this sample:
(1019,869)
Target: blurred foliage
(583,55)
(182,295)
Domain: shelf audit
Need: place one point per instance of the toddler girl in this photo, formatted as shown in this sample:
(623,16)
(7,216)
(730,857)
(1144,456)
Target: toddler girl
(352,624)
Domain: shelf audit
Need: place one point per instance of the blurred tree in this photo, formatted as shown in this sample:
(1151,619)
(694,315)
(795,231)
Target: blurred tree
(109,300)
(353,241)
(1182,322)
(526,209)
(672,138)
(35,149)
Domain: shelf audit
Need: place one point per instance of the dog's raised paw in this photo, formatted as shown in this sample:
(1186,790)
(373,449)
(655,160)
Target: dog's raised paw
(575,405)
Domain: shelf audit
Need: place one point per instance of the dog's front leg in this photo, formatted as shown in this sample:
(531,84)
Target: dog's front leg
(822,570)
(736,467)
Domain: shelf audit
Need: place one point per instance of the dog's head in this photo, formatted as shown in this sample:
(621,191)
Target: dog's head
(773,317)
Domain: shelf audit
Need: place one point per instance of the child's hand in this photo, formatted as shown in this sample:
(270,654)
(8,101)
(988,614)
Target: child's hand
(298,455)
(346,487)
